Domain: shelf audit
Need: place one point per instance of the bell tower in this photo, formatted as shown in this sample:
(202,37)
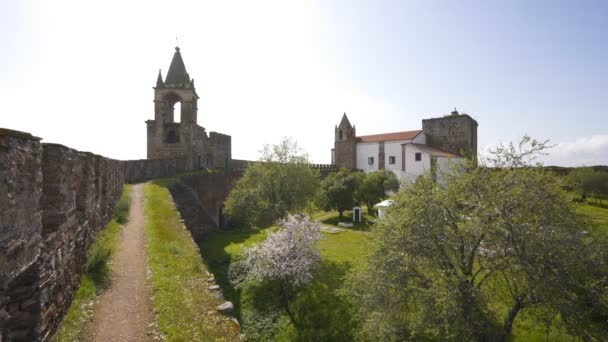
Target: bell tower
(177,87)
(345,144)
(168,137)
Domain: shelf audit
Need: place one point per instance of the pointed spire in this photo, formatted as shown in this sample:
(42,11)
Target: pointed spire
(344,122)
(159,79)
(177,74)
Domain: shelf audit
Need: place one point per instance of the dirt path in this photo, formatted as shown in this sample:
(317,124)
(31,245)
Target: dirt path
(124,311)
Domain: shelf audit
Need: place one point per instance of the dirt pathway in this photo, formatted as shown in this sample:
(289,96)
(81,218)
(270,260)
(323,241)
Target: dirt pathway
(124,311)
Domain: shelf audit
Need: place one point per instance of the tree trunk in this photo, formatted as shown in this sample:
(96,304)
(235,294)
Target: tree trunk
(340,211)
(285,302)
(508,323)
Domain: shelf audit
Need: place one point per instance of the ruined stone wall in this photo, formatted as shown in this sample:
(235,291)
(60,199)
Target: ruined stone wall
(56,200)
(141,170)
(220,147)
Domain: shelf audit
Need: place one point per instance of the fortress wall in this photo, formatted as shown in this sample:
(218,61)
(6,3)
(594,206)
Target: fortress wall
(200,200)
(53,200)
(221,145)
(145,169)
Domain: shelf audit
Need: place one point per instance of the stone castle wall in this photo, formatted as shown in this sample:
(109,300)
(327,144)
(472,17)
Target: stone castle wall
(141,170)
(56,200)
(200,199)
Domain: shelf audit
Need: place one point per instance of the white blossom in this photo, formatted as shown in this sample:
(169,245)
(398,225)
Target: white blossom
(287,254)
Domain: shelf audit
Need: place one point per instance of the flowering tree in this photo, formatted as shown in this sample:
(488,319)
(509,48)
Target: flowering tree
(286,256)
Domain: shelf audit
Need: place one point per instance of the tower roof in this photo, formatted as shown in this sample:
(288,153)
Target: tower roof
(177,74)
(344,121)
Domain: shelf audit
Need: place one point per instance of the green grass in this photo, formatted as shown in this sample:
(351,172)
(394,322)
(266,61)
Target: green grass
(332,218)
(184,308)
(97,270)
(319,312)
(596,216)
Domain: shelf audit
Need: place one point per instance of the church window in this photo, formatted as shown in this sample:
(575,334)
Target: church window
(370,161)
(172,137)
(341,135)
(391,160)
(418,156)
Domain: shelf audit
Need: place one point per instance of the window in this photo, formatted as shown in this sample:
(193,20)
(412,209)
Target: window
(418,156)
(370,161)
(391,160)
(341,135)
(172,137)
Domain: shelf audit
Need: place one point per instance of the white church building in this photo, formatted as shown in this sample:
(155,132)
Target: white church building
(440,143)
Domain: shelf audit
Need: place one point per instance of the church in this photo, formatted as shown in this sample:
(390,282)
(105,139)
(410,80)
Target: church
(441,142)
(176,133)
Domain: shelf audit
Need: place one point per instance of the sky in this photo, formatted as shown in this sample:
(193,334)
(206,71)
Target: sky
(80,73)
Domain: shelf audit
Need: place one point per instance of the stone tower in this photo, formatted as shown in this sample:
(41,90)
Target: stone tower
(168,138)
(456,133)
(345,145)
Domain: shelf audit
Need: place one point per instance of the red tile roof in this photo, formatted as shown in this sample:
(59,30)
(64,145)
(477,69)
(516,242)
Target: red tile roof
(408,135)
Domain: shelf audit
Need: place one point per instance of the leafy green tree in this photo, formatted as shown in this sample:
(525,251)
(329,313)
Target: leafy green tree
(447,257)
(338,191)
(375,186)
(280,183)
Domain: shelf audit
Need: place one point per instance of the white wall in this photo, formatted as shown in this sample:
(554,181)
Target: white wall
(393,149)
(365,150)
(413,168)
(420,139)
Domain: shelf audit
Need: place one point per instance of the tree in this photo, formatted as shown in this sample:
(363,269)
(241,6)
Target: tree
(447,256)
(280,183)
(338,191)
(375,186)
(287,256)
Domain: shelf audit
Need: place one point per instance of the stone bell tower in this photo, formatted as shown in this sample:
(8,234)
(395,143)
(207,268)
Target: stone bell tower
(171,138)
(345,145)
(166,137)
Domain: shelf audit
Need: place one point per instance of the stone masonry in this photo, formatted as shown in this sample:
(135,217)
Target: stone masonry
(455,133)
(56,200)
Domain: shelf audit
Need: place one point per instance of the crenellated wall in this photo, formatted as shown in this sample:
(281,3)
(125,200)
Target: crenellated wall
(53,200)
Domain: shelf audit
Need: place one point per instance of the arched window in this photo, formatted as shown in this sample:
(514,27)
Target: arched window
(177,112)
(341,135)
(174,107)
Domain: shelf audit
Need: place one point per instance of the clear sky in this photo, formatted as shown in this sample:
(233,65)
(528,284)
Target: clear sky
(81,73)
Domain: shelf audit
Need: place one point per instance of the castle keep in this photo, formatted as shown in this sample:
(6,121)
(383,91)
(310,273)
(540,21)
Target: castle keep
(168,138)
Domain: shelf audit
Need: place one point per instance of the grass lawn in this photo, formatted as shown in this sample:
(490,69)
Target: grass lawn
(596,216)
(184,308)
(96,274)
(332,218)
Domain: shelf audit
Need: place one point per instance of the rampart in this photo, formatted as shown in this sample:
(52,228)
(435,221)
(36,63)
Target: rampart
(53,201)
(141,170)
(200,199)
